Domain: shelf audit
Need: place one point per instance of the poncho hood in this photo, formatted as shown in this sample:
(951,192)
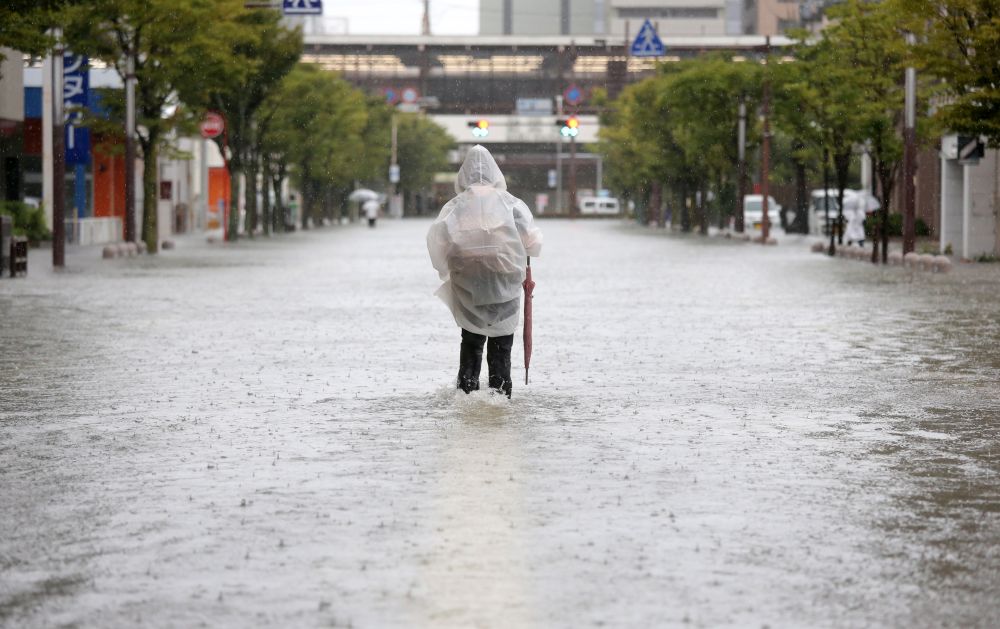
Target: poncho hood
(479,169)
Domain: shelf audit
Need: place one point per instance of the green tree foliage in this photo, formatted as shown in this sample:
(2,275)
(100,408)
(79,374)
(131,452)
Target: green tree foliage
(422,151)
(679,130)
(23,24)
(259,53)
(176,54)
(960,44)
(318,130)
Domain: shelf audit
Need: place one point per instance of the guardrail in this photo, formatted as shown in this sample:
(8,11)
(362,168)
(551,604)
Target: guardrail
(93,231)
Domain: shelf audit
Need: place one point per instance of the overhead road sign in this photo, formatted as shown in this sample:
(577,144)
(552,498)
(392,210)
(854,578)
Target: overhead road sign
(302,7)
(647,43)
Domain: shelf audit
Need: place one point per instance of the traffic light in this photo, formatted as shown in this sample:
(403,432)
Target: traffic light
(569,127)
(480,128)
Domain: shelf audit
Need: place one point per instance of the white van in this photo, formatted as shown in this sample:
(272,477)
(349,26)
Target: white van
(605,206)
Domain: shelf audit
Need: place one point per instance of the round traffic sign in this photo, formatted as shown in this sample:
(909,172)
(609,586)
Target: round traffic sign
(410,95)
(391,96)
(212,125)
(573,95)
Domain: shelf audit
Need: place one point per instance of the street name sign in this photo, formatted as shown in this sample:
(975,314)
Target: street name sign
(302,7)
(647,43)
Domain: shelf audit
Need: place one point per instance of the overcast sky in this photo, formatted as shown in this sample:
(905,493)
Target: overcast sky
(400,17)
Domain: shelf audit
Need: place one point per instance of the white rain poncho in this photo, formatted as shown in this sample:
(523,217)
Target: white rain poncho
(479,245)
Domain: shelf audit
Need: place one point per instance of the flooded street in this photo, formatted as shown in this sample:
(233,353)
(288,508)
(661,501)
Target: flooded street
(715,434)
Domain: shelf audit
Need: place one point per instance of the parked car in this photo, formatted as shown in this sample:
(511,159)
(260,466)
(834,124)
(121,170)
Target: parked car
(599,205)
(753,211)
(819,200)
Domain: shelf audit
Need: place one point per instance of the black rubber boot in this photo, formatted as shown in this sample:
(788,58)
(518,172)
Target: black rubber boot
(470,361)
(498,362)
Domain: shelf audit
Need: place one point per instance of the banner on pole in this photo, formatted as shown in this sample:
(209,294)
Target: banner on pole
(76,88)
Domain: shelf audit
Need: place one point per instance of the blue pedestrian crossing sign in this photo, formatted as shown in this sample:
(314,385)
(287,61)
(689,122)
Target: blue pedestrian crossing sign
(647,43)
(302,7)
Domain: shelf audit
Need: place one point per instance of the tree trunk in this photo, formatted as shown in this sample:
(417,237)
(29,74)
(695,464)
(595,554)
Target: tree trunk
(265,182)
(832,250)
(250,191)
(703,208)
(842,168)
(150,233)
(235,170)
(685,210)
(655,205)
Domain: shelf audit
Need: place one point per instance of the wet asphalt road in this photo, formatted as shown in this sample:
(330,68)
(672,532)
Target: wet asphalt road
(715,434)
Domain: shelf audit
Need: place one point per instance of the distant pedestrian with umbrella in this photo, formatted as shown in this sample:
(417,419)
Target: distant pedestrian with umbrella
(479,244)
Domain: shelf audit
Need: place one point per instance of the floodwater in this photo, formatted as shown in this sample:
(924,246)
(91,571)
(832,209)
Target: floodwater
(715,434)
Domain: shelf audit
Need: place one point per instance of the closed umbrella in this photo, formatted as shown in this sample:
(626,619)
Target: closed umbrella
(529,287)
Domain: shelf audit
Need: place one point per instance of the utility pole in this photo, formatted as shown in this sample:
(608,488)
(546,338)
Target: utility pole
(425,24)
(742,169)
(572,175)
(58,157)
(910,157)
(130,145)
(765,153)
(559,137)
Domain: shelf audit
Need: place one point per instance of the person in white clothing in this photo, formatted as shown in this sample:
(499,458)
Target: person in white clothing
(479,244)
(371,208)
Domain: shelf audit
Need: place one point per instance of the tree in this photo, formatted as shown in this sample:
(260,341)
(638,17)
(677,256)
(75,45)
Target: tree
(318,130)
(870,41)
(260,53)
(829,97)
(175,54)
(960,45)
(24,24)
(422,151)
(702,98)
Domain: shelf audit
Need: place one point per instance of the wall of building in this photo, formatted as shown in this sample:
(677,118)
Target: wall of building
(679,18)
(774,17)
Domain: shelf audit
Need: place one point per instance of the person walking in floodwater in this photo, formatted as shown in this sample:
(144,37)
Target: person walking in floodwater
(479,244)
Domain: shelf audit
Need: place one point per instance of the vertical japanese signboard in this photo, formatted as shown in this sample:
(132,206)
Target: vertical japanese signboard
(76,84)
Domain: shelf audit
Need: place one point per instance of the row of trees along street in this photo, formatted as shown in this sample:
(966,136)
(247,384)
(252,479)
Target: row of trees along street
(284,119)
(672,139)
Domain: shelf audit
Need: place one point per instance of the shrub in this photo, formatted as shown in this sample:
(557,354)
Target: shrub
(28,221)
(896,226)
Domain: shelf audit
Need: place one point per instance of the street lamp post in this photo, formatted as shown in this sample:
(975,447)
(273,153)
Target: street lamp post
(58,157)
(910,157)
(130,145)
(742,168)
(765,152)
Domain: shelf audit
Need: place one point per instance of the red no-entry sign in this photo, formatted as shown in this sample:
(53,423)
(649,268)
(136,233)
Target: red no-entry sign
(212,126)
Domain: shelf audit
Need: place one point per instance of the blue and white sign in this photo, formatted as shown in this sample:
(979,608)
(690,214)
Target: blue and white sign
(302,7)
(647,43)
(76,85)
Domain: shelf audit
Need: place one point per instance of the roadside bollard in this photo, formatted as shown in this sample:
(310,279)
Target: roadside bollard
(167,244)
(926,262)
(895,258)
(131,249)
(109,252)
(122,249)
(942,264)
(141,247)
(910,260)
(817,247)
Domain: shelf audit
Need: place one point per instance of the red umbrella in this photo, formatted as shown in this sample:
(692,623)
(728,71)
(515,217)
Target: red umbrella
(529,286)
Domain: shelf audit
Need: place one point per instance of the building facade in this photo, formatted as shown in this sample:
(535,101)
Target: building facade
(617,18)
